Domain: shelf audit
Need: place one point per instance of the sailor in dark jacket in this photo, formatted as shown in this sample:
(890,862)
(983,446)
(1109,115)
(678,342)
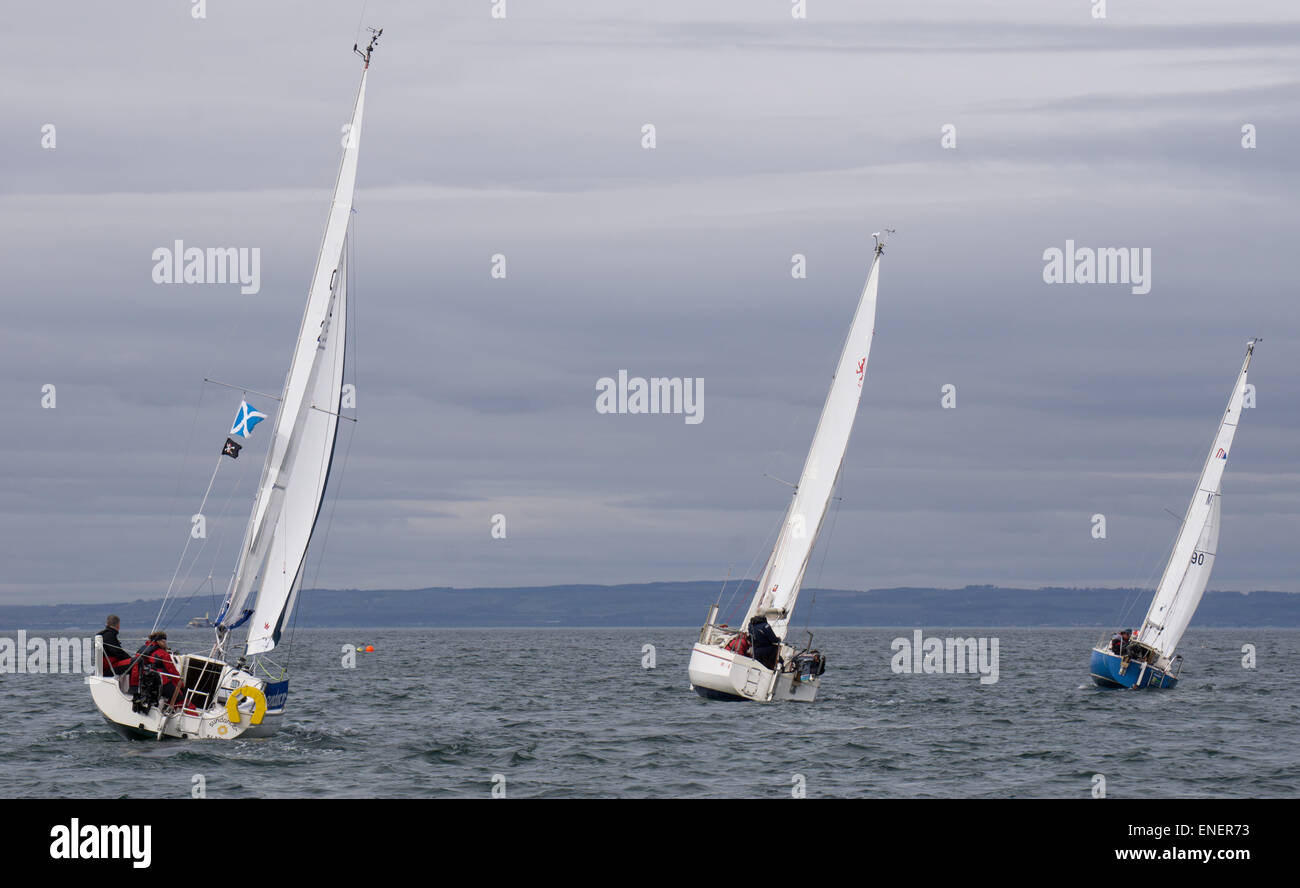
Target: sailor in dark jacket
(117,656)
(764,645)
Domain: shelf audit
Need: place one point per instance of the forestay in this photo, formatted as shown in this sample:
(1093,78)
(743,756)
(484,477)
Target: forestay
(302,446)
(779,584)
(1188,571)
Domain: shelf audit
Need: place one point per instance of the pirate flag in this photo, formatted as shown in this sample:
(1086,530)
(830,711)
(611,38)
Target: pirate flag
(232,449)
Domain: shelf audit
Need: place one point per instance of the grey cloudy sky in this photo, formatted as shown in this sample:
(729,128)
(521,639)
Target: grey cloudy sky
(775,136)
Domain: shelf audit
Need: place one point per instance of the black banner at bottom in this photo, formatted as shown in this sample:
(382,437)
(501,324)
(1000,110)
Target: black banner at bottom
(342,835)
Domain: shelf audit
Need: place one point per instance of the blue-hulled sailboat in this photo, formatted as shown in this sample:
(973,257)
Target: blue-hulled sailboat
(1146,658)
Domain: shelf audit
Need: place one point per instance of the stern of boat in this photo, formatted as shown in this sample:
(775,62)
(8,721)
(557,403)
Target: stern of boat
(114,703)
(223,702)
(720,674)
(795,687)
(1110,670)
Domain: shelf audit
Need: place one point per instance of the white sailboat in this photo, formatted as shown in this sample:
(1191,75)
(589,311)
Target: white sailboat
(756,663)
(1147,658)
(217,699)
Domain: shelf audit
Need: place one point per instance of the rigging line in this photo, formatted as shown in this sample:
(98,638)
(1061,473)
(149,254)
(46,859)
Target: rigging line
(360,20)
(349,308)
(188,540)
(212,593)
(246,391)
(324,539)
(779,459)
(729,612)
(725,584)
(1138,587)
(350,315)
(352,306)
(347,450)
(1159,567)
(197,555)
(1132,598)
(826,546)
(781,455)
(186,601)
(189,441)
(177,605)
(180,475)
(221,522)
(320,542)
(1162,568)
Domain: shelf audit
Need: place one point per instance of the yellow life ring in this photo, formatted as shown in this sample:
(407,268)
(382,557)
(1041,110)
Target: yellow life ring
(259,704)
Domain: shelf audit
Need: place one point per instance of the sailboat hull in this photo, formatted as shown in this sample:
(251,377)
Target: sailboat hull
(720,674)
(255,711)
(711,694)
(1108,670)
(214,724)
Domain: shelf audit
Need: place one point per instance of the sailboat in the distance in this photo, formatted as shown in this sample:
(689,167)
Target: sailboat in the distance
(1146,659)
(754,661)
(208,697)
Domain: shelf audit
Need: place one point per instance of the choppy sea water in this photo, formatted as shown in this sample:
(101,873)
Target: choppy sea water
(572,713)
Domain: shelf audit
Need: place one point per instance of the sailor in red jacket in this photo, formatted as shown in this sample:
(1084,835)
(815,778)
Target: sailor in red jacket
(739,643)
(156,655)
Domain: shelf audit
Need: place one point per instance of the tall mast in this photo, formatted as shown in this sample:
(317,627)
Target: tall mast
(1188,571)
(779,584)
(301,447)
(374,41)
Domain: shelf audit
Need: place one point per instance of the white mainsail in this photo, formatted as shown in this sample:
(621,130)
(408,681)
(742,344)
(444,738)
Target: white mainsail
(778,585)
(306,468)
(302,444)
(1188,570)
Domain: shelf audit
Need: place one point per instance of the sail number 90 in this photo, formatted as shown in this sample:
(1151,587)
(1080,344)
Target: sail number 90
(1198,558)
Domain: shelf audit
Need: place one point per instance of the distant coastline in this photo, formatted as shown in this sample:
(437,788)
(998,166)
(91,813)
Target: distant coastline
(685,604)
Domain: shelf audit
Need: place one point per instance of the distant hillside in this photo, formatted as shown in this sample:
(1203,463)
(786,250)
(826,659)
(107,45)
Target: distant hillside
(686,604)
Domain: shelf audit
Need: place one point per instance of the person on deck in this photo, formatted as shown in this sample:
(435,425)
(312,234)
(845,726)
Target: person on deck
(763,641)
(116,659)
(1115,643)
(739,643)
(1125,638)
(1136,650)
(155,654)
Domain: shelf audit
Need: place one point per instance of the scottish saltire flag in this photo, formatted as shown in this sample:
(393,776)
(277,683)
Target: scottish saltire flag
(245,419)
